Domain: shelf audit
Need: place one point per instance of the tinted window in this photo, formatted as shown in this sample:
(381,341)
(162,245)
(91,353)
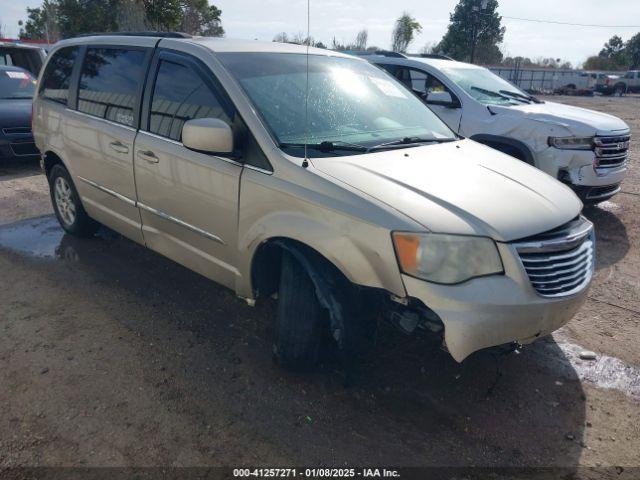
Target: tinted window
(57,74)
(180,95)
(109,83)
(16,83)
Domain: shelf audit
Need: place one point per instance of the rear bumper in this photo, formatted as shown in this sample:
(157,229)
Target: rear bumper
(18,147)
(494,310)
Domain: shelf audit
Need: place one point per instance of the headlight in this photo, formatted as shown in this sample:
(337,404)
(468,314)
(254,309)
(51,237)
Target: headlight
(571,143)
(444,258)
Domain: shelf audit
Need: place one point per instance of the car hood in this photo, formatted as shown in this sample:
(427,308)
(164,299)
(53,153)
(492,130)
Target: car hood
(580,121)
(461,188)
(15,113)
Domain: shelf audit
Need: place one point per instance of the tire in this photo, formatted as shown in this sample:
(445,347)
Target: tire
(301,322)
(620,90)
(67,205)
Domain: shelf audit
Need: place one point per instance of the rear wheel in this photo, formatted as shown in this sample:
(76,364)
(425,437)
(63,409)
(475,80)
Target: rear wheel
(301,322)
(67,205)
(620,90)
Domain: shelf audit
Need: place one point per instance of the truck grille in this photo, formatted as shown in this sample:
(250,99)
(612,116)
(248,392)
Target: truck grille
(611,152)
(560,262)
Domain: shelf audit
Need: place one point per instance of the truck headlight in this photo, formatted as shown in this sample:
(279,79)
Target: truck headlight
(448,259)
(571,143)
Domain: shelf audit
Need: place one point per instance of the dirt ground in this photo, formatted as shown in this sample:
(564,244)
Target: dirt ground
(111,355)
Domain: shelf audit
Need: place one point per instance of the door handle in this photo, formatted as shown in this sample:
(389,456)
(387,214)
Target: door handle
(119,147)
(148,156)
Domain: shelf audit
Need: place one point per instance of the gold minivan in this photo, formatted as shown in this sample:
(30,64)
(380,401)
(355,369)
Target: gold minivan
(313,177)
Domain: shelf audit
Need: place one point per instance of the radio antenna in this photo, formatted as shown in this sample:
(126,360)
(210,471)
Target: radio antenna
(305,162)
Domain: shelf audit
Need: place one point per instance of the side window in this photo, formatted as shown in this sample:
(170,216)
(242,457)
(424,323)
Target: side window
(418,80)
(57,75)
(404,76)
(109,83)
(179,94)
(432,84)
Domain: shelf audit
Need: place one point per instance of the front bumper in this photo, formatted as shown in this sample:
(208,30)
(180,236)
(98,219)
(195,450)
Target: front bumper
(17,144)
(494,310)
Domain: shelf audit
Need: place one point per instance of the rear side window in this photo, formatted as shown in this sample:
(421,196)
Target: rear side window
(179,95)
(55,79)
(109,83)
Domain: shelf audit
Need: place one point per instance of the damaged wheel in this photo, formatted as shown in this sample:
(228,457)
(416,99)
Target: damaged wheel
(301,321)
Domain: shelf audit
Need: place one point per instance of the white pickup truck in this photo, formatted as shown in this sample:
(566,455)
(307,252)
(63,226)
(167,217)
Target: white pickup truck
(587,150)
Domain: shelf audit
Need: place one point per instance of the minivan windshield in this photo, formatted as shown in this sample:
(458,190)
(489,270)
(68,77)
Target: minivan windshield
(353,107)
(487,87)
(16,84)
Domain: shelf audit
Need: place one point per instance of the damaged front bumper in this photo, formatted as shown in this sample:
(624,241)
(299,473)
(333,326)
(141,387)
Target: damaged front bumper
(495,310)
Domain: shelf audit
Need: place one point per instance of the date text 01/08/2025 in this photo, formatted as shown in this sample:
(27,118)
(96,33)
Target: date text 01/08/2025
(316,472)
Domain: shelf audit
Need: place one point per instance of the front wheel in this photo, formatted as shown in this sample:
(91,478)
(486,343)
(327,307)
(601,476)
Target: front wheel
(67,206)
(301,322)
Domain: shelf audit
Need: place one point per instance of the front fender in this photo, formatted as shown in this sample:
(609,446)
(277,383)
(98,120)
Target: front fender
(362,252)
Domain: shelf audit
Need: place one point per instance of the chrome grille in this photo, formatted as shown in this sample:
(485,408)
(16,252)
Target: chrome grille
(611,152)
(560,262)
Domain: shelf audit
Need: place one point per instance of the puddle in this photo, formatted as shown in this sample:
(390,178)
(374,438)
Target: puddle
(37,237)
(603,372)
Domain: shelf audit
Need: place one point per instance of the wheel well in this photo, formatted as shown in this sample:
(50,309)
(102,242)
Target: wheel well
(266,264)
(509,146)
(51,159)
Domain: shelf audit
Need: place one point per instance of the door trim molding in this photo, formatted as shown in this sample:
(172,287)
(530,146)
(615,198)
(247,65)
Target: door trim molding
(108,191)
(177,221)
(156,212)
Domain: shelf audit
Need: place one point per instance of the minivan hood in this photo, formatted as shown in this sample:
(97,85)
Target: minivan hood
(580,121)
(461,188)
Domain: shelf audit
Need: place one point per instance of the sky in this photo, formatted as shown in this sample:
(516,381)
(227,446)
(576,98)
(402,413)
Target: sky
(262,19)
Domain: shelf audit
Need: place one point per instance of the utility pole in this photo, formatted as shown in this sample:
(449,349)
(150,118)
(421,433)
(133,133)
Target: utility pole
(477,11)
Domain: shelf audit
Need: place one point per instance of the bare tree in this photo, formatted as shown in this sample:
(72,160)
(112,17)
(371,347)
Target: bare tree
(404,32)
(429,47)
(361,40)
(281,37)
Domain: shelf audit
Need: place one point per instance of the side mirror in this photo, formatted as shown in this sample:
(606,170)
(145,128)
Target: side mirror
(208,135)
(443,99)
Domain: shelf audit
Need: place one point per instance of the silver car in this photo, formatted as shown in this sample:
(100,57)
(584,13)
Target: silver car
(315,177)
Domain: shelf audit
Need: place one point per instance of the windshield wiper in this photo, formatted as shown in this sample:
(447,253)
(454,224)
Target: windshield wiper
(327,146)
(409,141)
(517,95)
(491,93)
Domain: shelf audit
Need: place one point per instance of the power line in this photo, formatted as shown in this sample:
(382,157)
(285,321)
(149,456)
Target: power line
(564,23)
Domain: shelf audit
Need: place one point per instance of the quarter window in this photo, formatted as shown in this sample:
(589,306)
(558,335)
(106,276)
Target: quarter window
(57,75)
(109,83)
(179,95)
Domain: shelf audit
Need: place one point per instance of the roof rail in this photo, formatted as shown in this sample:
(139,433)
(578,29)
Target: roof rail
(435,55)
(383,53)
(138,34)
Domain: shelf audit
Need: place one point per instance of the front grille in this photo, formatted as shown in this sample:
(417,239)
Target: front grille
(560,262)
(17,131)
(611,152)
